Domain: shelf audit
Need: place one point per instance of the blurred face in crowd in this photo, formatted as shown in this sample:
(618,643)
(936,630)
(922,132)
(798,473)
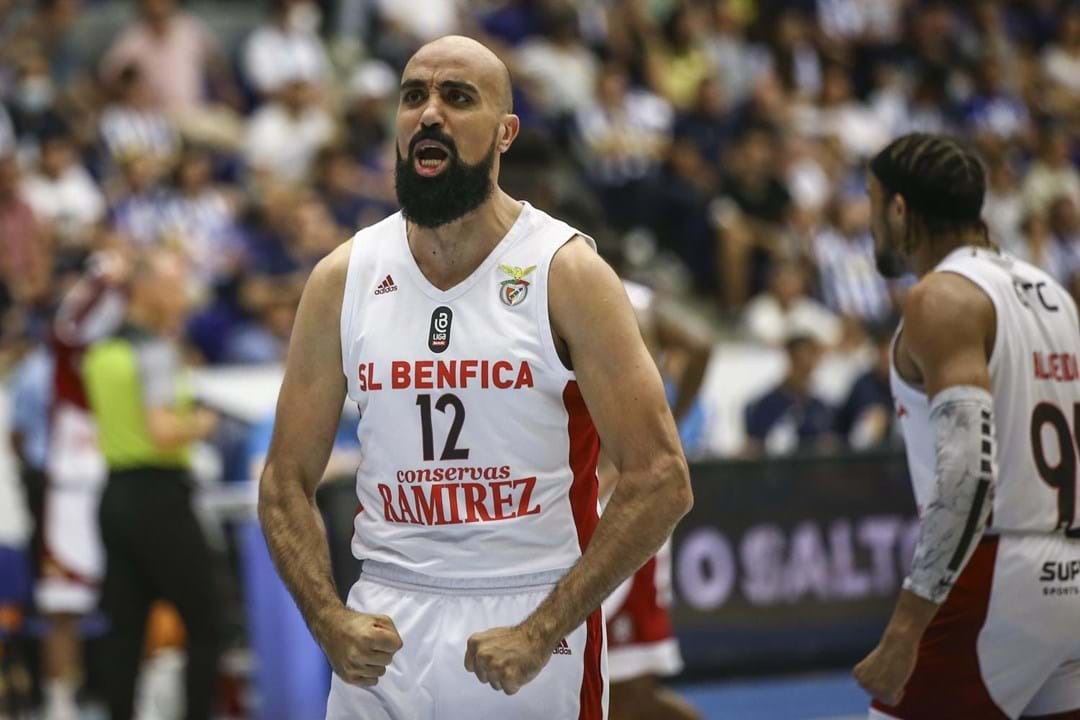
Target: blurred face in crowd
(35,92)
(888,224)
(788,282)
(854,216)
(56,156)
(804,354)
(1055,147)
(194,172)
(297,95)
(9,177)
(453,121)
(757,153)
(1064,218)
(157,12)
(1070,28)
(611,86)
(711,99)
(991,76)
(837,86)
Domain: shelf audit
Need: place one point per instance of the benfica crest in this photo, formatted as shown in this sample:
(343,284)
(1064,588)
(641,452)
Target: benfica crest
(513,291)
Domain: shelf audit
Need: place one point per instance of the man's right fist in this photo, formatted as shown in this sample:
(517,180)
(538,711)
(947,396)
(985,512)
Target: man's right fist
(360,646)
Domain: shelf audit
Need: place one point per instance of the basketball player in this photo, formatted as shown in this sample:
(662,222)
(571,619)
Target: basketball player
(72,562)
(987,390)
(481,339)
(641,643)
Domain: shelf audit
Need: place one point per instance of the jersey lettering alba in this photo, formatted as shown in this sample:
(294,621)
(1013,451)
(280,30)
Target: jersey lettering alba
(1035,383)
(479,455)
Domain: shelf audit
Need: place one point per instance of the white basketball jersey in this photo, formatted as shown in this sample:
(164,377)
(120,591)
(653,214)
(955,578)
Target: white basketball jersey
(479,455)
(1035,383)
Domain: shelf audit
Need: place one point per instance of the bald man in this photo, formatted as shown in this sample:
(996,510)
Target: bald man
(490,351)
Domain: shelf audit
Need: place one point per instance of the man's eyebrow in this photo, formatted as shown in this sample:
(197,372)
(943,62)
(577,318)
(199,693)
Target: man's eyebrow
(444,85)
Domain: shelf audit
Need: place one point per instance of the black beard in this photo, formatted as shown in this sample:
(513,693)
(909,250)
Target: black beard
(890,263)
(432,202)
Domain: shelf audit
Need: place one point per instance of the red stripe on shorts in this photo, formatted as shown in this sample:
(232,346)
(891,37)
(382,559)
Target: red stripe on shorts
(592,679)
(947,683)
(584,452)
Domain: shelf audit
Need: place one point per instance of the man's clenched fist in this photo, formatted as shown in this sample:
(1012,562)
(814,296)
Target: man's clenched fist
(505,658)
(360,646)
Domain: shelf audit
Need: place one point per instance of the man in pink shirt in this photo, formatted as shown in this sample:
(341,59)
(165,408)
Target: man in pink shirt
(175,53)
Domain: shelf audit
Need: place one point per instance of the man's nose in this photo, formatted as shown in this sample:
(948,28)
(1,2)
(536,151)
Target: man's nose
(433,112)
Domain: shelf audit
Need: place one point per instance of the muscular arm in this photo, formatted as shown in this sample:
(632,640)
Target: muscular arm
(949,327)
(308,412)
(625,397)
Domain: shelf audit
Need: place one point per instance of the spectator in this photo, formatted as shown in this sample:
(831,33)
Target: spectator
(756,212)
(795,60)
(62,194)
(1038,246)
(1004,206)
(675,58)
(34,100)
(1053,173)
(175,53)
(866,418)
(371,92)
(789,417)
(785,310)
(140,208)
(734,63)
(30,387)
(559,64)
(286,47)
(132,125)
(1064,220)
(154,546)
(994,109)
(624,134)
(339,184)
(838,113)
(25,257)
(1061,60)
(202,216)
(844,254)
(407,24)
(707,124)
(284,136)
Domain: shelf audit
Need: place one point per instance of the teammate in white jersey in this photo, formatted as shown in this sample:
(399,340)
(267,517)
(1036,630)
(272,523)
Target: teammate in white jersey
(481,340)
(987,390)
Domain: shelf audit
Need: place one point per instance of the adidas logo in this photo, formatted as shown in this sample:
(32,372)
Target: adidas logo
(562,648)
(386,286)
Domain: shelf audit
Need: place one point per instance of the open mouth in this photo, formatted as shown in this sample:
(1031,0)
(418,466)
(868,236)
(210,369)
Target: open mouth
(431,158)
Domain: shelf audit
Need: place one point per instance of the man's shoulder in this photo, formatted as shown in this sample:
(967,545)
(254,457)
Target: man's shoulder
(945,298)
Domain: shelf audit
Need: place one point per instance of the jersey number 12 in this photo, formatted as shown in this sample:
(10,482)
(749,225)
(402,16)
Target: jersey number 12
(450,449)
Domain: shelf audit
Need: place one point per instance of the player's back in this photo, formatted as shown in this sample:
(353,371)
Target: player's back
(1035,382)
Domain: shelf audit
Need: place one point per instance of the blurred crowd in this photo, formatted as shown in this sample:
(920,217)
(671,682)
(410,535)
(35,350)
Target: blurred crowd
(722,142)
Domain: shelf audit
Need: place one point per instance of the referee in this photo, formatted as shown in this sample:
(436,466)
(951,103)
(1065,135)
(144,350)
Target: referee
(154,546)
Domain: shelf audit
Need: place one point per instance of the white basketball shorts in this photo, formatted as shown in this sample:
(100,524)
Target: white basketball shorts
(427,679)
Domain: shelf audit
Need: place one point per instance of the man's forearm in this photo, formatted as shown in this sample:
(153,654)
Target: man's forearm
(637,521)
(297,540)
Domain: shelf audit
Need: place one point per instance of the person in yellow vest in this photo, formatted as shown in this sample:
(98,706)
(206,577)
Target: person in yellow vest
(154,545)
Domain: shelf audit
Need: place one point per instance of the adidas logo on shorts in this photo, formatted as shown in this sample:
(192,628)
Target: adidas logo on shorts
(562,648)
(386,286)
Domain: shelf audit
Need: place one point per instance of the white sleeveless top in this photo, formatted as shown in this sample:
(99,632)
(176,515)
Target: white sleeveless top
(1035,383)
(479,455)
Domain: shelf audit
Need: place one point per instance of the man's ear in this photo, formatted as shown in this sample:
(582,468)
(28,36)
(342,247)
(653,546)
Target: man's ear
(508,132)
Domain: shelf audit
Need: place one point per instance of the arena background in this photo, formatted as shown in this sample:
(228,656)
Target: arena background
(715,149)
